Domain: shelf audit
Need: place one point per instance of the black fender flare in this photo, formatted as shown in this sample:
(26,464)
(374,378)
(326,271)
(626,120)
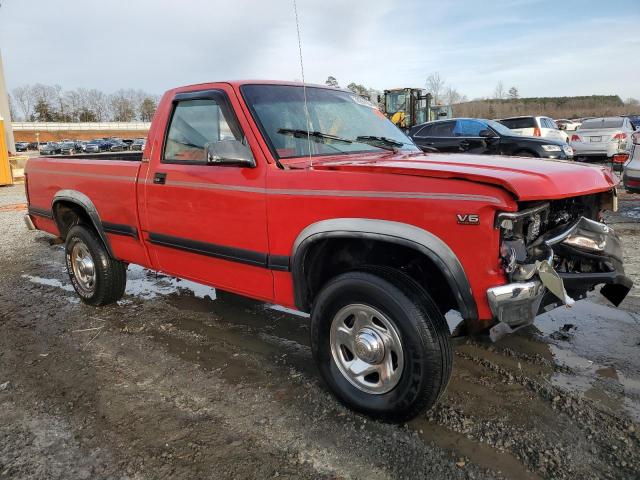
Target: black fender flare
(84,202)
(404,234)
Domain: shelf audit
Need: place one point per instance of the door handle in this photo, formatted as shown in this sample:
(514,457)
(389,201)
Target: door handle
(160,178)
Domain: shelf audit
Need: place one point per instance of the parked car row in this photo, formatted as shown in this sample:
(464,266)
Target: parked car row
(24,146)
(71,147)
(532,136)
(483,136)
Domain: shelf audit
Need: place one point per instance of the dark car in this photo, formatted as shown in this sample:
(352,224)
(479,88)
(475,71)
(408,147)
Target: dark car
(117,145)
(33,146)
(22,146)
(635,121)
(68,148)
(475,135)
(51,148)
(138,144)
(97,145)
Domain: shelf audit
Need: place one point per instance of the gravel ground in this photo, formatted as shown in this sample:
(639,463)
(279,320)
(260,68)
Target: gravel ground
(180,382)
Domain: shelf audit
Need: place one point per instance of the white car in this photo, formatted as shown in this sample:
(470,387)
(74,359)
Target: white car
(535,127)
(602,137)
(568,125)
(631,176)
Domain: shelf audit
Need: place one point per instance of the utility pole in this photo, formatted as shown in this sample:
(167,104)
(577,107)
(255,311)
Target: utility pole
(5,113)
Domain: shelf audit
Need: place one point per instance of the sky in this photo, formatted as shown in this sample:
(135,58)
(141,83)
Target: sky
(544,48)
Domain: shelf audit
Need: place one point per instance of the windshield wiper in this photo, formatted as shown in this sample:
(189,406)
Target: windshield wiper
(380,142)
(316,136)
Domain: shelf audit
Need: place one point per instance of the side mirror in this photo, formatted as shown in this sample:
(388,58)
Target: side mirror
(486,133)
(635,138)
(229,152)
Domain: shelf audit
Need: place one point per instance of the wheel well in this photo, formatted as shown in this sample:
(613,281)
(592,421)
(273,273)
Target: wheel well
(69,214)
(326,258)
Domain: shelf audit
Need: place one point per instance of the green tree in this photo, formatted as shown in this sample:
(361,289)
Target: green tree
(43,112)
(147,109)
(358,89)
(513,93)
(332,82)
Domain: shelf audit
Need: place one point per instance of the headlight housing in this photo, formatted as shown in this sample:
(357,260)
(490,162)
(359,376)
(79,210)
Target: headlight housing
(567,150)
(552,148)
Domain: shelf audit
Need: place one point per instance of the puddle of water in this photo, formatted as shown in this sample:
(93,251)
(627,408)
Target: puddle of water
(147,284)
(479,453)
(604,384)
(633,213)
(50,282)
(602,351)
(603,334)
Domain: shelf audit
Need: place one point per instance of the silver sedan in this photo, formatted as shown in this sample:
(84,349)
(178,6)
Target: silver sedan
(602,137)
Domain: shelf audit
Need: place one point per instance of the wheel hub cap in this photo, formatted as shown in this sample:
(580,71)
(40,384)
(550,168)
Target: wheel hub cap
(369,346)
(367,349)
(83,267)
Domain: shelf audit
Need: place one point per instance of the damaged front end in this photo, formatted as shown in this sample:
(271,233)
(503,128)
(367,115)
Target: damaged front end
(553,253)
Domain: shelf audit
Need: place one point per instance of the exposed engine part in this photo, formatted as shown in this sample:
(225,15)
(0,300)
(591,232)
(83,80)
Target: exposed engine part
(558,240)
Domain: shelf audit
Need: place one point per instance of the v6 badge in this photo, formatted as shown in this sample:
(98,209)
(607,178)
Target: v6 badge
(468,219)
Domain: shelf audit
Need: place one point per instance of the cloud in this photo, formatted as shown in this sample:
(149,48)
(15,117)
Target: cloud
(540,46)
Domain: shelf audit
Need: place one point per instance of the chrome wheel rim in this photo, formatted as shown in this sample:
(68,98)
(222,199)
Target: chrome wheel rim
(366,348)
(84,269)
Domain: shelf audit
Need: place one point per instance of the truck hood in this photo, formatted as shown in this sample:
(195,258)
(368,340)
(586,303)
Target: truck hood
(526,178)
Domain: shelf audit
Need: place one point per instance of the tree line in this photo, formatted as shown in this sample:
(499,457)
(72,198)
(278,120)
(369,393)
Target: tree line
(507,102)
(50,103)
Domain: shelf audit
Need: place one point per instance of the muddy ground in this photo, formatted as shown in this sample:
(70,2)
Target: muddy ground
(178,382)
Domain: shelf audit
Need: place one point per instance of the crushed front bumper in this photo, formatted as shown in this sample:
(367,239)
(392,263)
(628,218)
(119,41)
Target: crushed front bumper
(538,285)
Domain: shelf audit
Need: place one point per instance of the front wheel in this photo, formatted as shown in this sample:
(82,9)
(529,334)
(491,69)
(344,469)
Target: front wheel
(381,344)
(96,277)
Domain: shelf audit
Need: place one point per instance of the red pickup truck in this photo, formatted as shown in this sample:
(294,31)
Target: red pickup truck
(308,197)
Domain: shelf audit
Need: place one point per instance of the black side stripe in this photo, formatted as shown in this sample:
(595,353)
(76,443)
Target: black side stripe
(278,262)
(239,255)
(119,229)
(40,212)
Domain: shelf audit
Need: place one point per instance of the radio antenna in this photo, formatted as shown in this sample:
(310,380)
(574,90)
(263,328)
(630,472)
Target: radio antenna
(304,85)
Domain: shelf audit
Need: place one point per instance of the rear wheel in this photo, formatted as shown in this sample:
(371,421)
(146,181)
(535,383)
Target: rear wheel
(96,277)
(380,343)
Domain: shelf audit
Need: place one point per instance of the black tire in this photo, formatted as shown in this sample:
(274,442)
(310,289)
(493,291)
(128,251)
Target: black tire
(422,329)
(110,274)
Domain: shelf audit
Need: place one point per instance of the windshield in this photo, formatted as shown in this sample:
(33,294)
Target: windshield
(279,110)
(499,128)
(396,101)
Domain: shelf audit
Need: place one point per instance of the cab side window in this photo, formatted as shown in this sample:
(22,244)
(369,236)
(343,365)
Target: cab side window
(443,129)
(195,123)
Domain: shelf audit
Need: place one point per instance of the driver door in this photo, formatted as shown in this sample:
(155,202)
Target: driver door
(207,222)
